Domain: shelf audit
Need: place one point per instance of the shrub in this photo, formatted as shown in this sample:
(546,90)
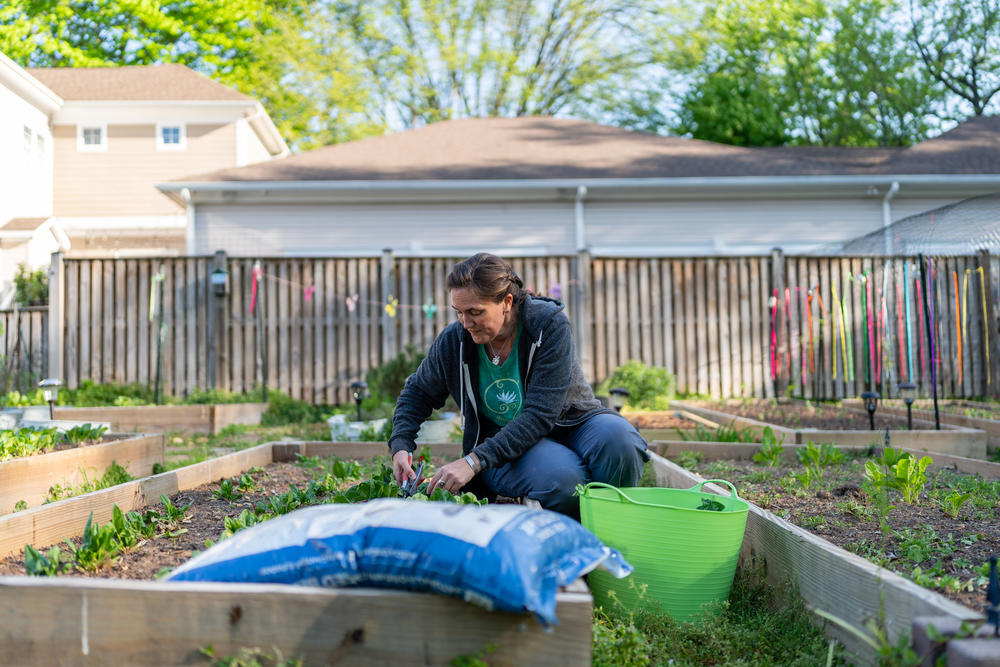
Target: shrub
(386,381)
(283,409)
(649,387)
(31,288)
(91,394)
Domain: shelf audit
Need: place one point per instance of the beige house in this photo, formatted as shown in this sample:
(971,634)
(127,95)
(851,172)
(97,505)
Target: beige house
(82,148)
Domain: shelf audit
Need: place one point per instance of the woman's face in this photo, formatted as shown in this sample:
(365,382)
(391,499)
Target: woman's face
(483,319)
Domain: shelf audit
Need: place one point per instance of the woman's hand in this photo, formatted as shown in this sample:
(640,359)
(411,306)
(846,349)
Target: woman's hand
(451,477)
(401,469)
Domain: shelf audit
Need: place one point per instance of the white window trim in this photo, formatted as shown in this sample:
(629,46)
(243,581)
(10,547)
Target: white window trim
(92,148)
(160,146)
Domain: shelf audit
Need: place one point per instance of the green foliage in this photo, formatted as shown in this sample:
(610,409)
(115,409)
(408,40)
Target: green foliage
(386,380)
(27,442)
(701,433)
(649,387)
(91,394)
(688,459)
(220,396)
(771,449)
(98,546)
(251,657)
(227,491)
(49,564)
(113,476)
(753,626)
(31,288)
(15,399)
(283,409)
(911,477)
(952,503)
(817,458)
(82,433)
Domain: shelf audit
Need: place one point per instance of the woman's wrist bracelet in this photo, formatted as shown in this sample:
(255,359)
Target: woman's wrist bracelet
(472,463)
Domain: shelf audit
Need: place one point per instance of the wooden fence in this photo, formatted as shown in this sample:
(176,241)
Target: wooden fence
(24,350)
(819,327)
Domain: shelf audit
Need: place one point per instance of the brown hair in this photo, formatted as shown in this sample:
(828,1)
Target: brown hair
(489,276)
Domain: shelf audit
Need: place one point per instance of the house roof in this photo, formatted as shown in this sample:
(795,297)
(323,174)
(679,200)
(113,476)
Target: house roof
(22,224)
(135,83)
(553,148)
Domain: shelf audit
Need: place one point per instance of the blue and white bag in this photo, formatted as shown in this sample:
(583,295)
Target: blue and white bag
(505,557)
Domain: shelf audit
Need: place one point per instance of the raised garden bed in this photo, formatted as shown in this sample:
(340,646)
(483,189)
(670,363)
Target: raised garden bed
(29,478)
(209,419)
(168,623)
(982,416)
(827,577)
(799,423)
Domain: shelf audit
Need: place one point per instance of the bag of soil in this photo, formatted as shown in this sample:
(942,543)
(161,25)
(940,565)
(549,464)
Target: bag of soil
(504,557)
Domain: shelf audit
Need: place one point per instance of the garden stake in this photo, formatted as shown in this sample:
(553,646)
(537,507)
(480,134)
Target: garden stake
(909,330)
(930,337)
(986,321)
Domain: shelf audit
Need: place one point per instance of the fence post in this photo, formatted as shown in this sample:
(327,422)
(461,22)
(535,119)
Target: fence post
(991,320)
(387,266)
(57,296)
(778,384)
(581,313)
(217,357)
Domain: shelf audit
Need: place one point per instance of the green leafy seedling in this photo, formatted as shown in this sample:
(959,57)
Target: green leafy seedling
(710,505)
(911,477)
(952,504)
(227,491)
(44,565)
(771,449)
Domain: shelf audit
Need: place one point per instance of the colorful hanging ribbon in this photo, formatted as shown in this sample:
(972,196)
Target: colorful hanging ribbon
(899,328)
(958,327)
(429,308)
(986,321)
(843,343)
(909,328)
(809,312)
(391,306)
(920,329)
(788,333)
(154,293)
(351,302)
(258,275)
(850,340)
(774,335)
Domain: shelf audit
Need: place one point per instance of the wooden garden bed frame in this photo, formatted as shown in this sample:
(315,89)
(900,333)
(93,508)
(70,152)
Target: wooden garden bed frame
(826,576)
(49,621)
(29,478)
(990,426)
(209,419)
(953,440)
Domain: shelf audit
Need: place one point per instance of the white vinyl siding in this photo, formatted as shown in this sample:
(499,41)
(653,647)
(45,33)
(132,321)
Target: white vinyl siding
(357,229)
(26,162)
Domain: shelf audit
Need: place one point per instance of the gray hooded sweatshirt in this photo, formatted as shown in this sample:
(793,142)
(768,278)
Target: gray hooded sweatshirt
(555,390)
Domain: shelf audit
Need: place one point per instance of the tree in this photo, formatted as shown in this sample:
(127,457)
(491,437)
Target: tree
(782,71)
(429,60)
(959,43)
(259,47)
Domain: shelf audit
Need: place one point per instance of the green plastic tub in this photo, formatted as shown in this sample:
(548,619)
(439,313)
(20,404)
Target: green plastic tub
(684,557)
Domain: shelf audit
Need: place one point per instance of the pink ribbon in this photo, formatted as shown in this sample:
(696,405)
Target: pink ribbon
(258,273)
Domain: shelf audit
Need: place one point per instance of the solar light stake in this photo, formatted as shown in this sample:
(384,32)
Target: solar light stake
(618,397)
(359,390)
(871,402)
(908,391)
(50,389)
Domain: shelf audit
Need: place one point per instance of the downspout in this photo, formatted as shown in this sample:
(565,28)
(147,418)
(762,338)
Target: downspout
(581,244)
(189,227)
(887,215)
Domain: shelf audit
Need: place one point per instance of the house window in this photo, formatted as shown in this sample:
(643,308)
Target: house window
(171,136)
(92,137)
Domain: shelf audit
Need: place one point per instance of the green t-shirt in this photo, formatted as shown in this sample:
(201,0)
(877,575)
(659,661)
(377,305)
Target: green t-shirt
(500,392)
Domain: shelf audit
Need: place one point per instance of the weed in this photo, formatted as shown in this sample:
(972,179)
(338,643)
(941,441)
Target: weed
(771,449)
(688,459)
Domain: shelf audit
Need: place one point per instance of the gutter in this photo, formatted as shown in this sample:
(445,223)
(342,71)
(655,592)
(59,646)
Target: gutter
(268,132)
(689,187)
(887,215)
(18,79)
(581,243)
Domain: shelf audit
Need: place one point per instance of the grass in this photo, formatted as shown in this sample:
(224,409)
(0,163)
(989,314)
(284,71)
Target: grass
(752,627)
(184,450)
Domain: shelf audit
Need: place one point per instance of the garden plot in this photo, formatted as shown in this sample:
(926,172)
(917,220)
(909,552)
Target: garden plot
(968,414)
(827,577)
(798,423)
(35,461)
(351,626)
(209,419)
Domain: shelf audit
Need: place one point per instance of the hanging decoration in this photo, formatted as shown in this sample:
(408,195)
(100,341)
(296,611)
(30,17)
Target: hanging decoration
(773,303)
(555,291)
(958,327)
(153,292)
(909,328)
(391,306)
(899,328)
(429,308)
(257,275)
(308,292)
(351,302)
(986,321)
(788,333)
(809,311)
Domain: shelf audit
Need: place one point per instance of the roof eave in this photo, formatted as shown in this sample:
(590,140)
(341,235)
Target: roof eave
(597,188)
(18,79)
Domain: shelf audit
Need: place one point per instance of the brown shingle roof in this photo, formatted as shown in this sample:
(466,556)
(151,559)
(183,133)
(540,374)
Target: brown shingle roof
(22,224)
(551,148)
(135,83)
